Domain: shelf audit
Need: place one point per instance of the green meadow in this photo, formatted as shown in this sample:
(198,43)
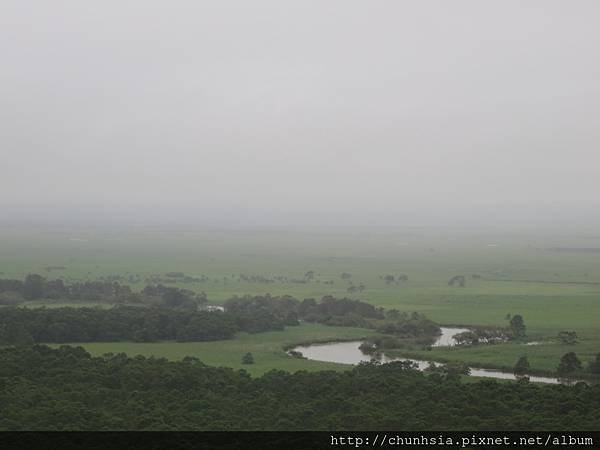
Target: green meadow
(267,348)
(507,272)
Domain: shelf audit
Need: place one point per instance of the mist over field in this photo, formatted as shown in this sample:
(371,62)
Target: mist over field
(304,113)
(299,216)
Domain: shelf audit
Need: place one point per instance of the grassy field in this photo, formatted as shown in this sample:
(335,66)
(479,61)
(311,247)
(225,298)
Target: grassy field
(520,273)
(65,304)
(266,348)
(543,358)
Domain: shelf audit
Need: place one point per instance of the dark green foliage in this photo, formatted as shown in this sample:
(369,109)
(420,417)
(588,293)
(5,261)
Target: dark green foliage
(521,367)
(459,280)
(11,298)
(407,325)
(36,287)
(67,389)
(15,333)
(595,365)
(334,307)
(175,274)
(175,298)
(21,325)
(389,279)
(33,287)
(343,312)
(252,314)
(481,335)
(517,325)
(287,309)
(259,310)
(569,363)
(466,338)
(568,337)
(7,285)
(179,322)
(248,358)
(296,354)
(453,371)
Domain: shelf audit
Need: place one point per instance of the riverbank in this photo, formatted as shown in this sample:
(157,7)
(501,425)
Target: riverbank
(543,358)
(350,353)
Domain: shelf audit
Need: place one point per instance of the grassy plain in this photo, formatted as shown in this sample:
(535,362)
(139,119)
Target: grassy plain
(520,274)
(266,348)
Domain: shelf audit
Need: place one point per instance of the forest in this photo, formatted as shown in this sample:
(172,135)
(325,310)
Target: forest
(67,389)
(334,311)
(170,313)
(36,287)
(21,326)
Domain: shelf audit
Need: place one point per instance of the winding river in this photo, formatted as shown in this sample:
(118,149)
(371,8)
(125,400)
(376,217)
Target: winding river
(349,353)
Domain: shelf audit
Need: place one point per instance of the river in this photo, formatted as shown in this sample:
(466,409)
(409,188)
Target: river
(349,353)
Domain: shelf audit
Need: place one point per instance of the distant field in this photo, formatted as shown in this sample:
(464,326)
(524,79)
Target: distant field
(65,304)
(553,290)
(266,348)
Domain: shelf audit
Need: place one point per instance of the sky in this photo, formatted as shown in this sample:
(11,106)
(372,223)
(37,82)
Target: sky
(300,112)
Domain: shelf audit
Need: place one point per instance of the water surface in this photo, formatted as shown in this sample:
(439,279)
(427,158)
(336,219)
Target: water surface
(350,353)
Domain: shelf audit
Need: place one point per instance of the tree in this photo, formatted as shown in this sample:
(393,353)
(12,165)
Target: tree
(595,365)
(308,276)
(453,371)
(567,337)
(517,325)
(10,298)
(521,367)
(394,314)
(33,287)
(466,338)
(389,279)
(248,358)
(15,334)
(569,363)
(458,279)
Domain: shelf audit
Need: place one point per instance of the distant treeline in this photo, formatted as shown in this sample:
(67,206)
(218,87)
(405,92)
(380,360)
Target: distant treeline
(67,389)
(36,287)
(585,283)
(343,312)
(23,326)
(575,249)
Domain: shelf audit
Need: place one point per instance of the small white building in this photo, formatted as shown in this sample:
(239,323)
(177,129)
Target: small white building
(212,308)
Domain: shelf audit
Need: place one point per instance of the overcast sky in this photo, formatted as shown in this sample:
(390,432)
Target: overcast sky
(300,112)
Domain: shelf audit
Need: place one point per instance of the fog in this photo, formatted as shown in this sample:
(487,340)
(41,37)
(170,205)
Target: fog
(300,113)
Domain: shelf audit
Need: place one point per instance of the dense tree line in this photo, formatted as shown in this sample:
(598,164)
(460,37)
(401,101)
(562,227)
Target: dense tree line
(334,311)
(67,389)
(330,310)
(182,321)
(36,287)
(253,314)
(21,326)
